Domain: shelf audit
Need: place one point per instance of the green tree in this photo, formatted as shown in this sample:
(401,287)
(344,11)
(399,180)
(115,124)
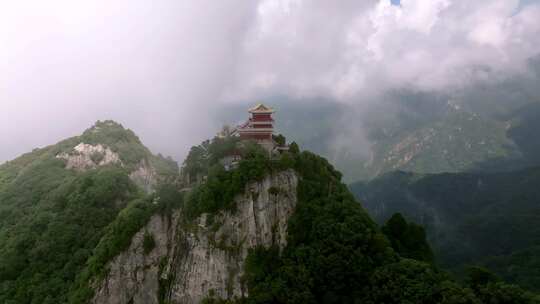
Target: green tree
(479,276)
(293,148)
(411,281)
(407,239)
(148,242)
(280,140)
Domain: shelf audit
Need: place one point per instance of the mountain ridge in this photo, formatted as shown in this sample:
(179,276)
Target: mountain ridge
(69,235)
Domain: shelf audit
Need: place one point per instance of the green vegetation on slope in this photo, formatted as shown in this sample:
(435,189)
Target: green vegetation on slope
(488,219)
(128,146)
(59,227)
(332,248)
(221,186)
(48,237)
(336,254)
(114,239)
(455,142)
(407,239)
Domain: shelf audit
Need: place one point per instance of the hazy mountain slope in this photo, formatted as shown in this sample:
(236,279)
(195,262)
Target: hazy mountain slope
(524,131)
(456,142)
(469,217)
(413,132)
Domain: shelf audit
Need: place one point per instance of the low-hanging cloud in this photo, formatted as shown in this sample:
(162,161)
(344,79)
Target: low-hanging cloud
(355,49)
(162,67)
(155,66)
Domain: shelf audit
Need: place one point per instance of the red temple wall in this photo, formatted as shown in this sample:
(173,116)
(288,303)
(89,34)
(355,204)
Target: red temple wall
(261,117)
(269,126)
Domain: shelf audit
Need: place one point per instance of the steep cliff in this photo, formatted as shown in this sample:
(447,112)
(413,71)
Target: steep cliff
(190,262)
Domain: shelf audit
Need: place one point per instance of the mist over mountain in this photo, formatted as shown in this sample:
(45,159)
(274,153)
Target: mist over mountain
(165,69)
(278,151)
(486,128)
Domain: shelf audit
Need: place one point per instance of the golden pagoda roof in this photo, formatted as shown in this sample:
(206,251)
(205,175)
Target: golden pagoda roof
(261,108)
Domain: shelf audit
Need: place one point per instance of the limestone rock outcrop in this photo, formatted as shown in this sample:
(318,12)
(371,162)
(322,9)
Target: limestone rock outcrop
(145,176)
(192,260)
(86,156)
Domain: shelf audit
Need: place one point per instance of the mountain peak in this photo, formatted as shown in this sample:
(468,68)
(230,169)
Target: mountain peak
(109,130)
(104,144)
(106,124)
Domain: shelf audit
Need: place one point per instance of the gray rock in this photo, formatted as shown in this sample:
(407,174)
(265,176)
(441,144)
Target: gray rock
(86,156)
(145,176)
(190,261)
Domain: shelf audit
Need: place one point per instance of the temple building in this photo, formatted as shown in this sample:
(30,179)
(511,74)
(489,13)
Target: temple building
(260,126)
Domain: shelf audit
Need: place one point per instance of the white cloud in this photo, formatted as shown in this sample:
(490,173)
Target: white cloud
(365,47)
(156,66)
(160,66)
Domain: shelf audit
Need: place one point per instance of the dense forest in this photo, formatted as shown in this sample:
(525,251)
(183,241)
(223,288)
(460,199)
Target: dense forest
(490,219)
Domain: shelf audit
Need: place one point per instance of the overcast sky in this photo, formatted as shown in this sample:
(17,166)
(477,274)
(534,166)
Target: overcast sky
(162,67)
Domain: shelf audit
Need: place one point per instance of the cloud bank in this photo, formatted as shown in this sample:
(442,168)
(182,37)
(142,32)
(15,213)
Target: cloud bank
(361,48)
(162,67)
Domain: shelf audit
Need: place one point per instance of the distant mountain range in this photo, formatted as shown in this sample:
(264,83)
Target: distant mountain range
(467,169)
(423,134)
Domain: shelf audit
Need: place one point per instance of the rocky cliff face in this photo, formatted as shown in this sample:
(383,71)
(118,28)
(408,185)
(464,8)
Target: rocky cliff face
(86,156)
(145,176)
(191,261)
(134,276)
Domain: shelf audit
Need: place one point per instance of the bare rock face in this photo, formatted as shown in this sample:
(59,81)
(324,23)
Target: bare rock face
(86,156)
(192,260)
(134,275)
(145,176)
